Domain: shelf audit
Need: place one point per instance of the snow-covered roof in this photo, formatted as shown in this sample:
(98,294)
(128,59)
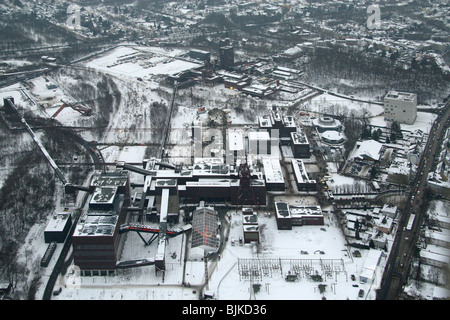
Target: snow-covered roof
(333,136)
(272,170)
(288,121)
(403,96)
(58,221)
(265,121)
(388,208)
(104,195)
(367,150)
(445,259)
(292,51)
(286,210)
(299,137)
(97,225)
(370,263)
(300,171)
(116,178)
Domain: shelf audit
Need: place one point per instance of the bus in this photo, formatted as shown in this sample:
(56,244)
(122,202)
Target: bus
(410,222)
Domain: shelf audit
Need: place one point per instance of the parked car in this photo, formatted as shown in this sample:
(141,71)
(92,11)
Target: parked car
(57,292)
(361,293)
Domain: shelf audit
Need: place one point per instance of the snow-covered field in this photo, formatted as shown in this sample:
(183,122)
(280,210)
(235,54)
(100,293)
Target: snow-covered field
(287,246)
(138,62)
(330,104)
(15,92)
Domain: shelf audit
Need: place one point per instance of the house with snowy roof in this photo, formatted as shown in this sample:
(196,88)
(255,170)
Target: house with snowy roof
(368,150)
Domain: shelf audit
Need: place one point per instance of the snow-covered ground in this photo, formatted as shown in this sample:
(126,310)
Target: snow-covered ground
(287,246)
(15,92)
(139,62)
(330,104)
(129,125)
(283,247)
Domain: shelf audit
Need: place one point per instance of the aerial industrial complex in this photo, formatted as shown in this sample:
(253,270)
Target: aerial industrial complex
(218,153)
(98,238)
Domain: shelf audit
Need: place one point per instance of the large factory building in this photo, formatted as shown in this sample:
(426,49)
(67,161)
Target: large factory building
(96,240)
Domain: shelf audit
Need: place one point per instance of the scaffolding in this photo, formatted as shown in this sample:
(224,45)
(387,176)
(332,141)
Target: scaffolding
(257,269)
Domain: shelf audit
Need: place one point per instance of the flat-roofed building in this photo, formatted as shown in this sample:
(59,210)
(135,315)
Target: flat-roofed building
(273,174)
(277,119)
(283,216)
(288,127)
(266,122)
(200,55)
(288,215)
(400,107)
(306,215)
(208,179)
(223,190)
(226,57)
(117,178)
(368,273)
(97,242)
(250,225)
(304,183)
(58,227)
(300,145)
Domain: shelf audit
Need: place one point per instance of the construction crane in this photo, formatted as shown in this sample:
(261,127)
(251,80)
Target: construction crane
(77,106)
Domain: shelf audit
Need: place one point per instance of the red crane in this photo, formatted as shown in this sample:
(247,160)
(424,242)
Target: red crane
(77,106)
